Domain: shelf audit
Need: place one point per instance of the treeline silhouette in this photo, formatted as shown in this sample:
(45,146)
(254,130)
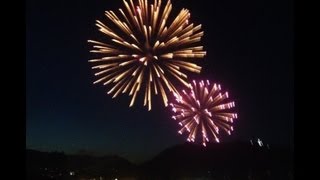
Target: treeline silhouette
(225,161)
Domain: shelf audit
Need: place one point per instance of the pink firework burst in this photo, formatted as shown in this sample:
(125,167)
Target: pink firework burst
(204,110)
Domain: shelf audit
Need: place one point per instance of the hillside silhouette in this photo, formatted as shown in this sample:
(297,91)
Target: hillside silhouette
(221,161)
(235,160)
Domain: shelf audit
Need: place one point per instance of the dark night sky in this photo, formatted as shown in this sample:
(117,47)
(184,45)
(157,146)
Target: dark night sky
(249,48)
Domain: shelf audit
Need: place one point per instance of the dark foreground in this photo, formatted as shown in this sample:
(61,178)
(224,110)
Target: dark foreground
(234,161)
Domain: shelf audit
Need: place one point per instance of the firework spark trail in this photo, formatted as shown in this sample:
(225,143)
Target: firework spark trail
(144,50)
(205,110)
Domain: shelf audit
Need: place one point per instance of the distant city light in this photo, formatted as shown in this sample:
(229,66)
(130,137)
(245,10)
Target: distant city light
(260,142)
(71,173)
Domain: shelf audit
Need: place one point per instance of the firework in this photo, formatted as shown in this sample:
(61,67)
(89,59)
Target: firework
(145,51)
(205,110)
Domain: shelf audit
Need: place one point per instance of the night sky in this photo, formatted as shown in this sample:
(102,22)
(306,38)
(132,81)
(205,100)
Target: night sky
(249,48)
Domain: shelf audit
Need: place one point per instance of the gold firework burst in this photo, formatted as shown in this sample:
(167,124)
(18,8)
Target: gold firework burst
(144,51)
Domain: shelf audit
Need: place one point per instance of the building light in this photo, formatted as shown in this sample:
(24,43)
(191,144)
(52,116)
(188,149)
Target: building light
(260,142)
(251,142)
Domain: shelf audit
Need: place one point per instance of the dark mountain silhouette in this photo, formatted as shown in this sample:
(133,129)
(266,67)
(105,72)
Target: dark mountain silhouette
(235,160)
(221,160)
